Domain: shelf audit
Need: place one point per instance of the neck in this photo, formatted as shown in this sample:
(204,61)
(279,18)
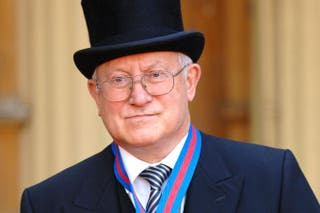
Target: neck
(155,152)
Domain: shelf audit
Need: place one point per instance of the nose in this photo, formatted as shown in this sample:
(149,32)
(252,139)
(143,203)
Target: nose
(139,96)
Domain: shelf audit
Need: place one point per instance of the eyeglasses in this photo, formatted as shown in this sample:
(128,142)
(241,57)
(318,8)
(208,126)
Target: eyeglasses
(155,83)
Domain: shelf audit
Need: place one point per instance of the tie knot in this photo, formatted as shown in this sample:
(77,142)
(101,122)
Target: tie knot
(156,175)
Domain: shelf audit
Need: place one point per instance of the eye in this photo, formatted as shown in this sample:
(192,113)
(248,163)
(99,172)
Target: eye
(119,81)
(157,76)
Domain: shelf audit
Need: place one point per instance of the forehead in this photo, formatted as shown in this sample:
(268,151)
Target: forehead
(142,60)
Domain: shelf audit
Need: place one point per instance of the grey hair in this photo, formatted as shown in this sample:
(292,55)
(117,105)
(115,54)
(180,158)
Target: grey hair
(184,60)
(94,75)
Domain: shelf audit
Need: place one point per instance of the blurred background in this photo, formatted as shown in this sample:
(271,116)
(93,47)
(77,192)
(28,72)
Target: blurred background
(260,83)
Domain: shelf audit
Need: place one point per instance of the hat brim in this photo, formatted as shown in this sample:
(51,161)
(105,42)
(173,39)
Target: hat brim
(190,43)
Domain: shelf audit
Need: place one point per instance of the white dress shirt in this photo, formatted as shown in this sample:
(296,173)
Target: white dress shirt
(135,166)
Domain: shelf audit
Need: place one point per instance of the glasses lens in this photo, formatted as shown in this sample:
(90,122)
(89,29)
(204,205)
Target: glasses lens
(116,89)
(158,82)
(155,83)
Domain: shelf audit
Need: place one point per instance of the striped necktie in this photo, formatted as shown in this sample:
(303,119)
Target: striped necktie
(155,175)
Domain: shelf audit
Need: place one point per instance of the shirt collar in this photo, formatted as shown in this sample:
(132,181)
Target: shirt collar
(135,166)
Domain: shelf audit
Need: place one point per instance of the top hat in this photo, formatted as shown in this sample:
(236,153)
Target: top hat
(124,27)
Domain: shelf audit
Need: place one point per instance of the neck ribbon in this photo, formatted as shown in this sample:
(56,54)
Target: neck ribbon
(178,181)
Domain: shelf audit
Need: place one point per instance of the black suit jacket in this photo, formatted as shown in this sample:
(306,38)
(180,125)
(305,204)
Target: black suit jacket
(229,177)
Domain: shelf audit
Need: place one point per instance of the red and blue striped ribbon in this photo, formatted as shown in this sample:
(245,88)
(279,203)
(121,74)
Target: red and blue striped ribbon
(179,178)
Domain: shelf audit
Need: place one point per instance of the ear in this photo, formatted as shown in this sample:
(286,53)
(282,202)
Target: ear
(193,77)
(91,84)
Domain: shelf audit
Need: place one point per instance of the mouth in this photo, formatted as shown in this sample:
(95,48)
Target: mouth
(140,116)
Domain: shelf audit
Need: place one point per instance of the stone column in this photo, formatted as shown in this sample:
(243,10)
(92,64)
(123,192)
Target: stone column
(286,73)
(64,127)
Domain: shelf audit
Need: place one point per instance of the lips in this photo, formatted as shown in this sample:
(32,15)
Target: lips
(141,115)
(138,116)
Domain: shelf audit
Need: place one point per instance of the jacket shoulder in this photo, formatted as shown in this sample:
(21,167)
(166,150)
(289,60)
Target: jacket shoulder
(66,184)
(272,176)
(243,152)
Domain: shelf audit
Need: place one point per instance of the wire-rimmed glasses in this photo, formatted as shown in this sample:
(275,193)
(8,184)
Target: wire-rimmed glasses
(155,83)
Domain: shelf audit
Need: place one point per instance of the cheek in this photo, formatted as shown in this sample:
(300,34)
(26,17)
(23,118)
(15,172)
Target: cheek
(181,92)
(177,103)
(109,113)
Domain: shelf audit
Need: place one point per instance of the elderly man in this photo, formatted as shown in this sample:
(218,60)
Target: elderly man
(142,73)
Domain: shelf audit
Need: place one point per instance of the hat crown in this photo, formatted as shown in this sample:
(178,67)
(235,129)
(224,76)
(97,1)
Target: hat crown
(119,21)
(119,28)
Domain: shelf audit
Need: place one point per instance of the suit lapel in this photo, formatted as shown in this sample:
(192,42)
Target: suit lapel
(100,192)
(213,187)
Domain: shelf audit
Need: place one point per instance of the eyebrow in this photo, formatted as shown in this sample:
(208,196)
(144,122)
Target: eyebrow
(144,68)
(156,64)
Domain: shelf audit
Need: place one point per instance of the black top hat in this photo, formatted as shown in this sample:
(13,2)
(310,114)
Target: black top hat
(123,27)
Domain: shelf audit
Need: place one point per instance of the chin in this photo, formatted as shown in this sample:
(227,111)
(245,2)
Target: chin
(144,137)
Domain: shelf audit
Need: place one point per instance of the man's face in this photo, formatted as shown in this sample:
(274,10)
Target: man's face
(142,120)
